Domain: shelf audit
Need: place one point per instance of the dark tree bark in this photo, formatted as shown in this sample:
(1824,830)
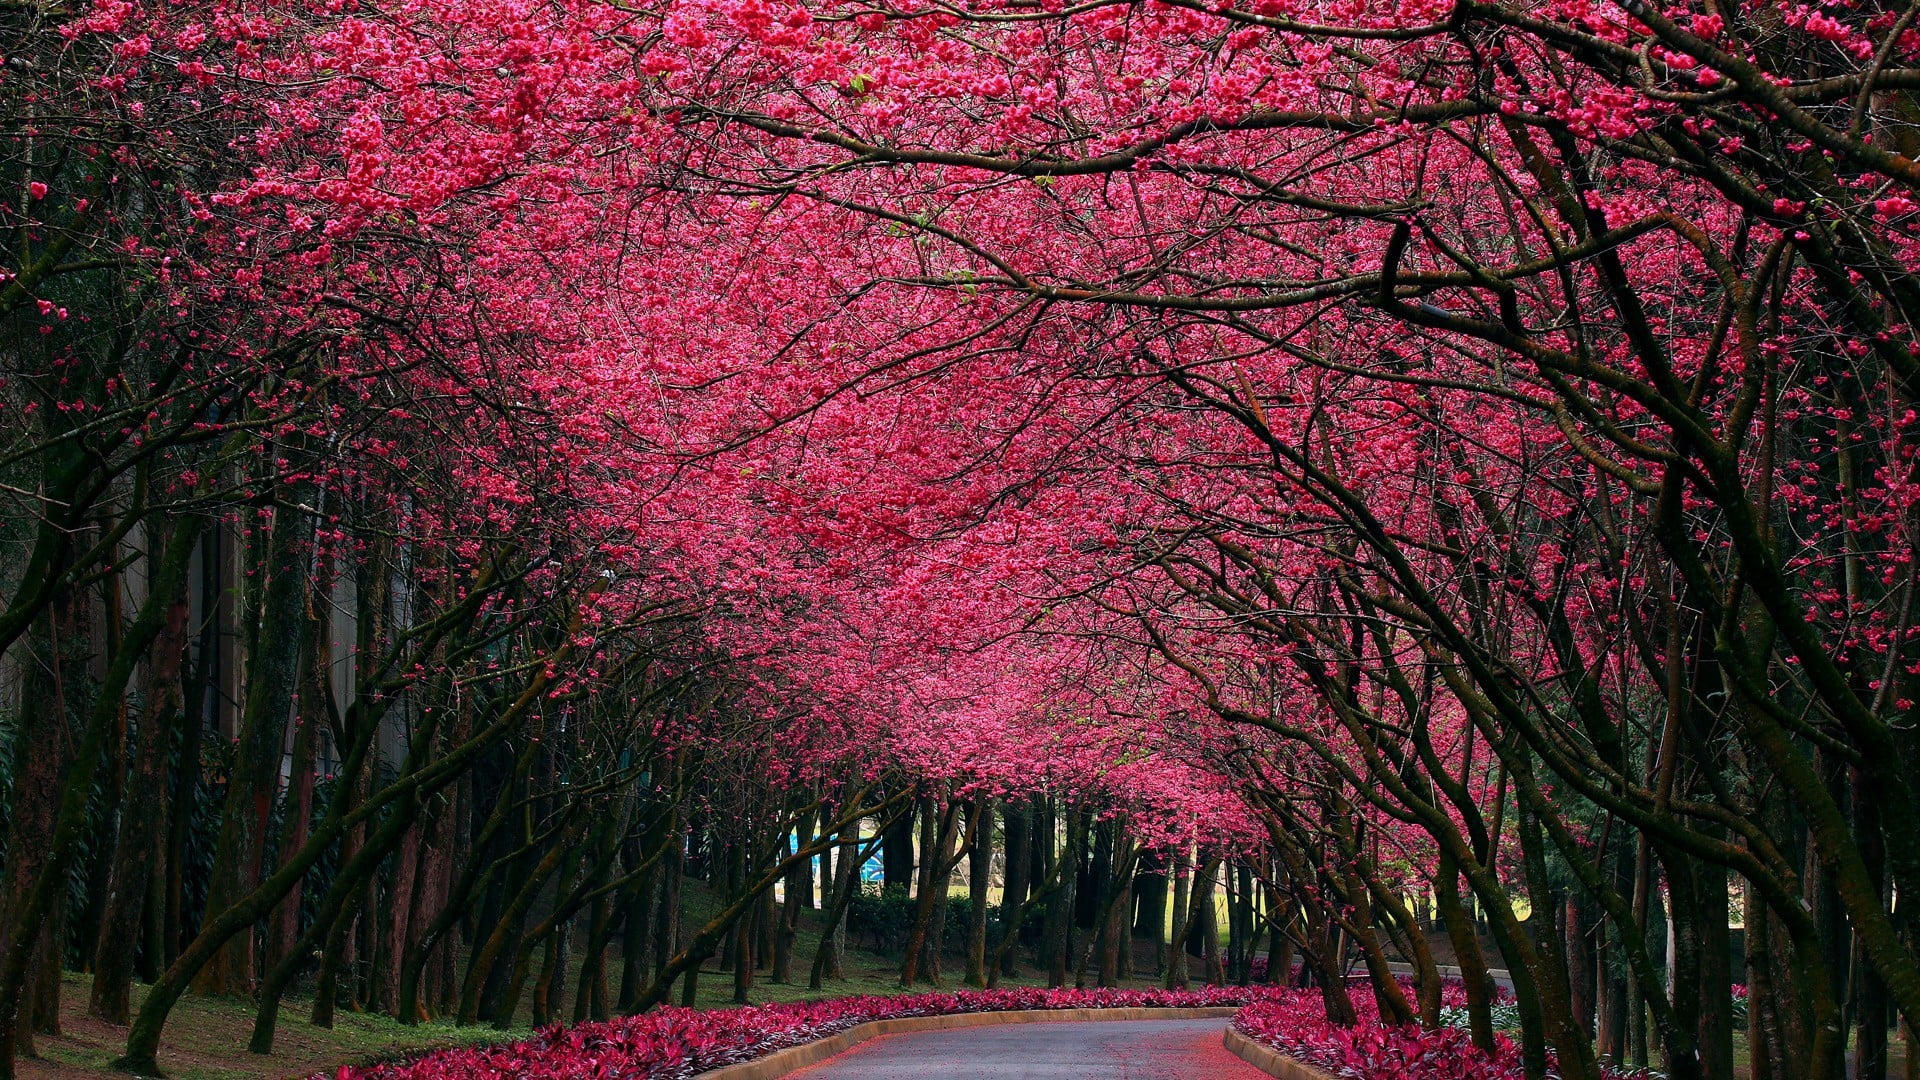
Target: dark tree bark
(183,797)
(938,829)
(1149,892)
(896,855)
(1019,878)
(1465,939)
(130,881)
(826,961)
(639,903)
(979,880)
(29,906)
(42,751)
(1058,948)
(272,667)
(1206,920)
(666,931)
(590,998)
(1176,965)
(1280,918)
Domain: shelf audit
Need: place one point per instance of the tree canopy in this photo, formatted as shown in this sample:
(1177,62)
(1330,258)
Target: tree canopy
(1425,455)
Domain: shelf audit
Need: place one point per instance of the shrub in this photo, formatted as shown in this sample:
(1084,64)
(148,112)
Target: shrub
(881,919)
(1294,1023)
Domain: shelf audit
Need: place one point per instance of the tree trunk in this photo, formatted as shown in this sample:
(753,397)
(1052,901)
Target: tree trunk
(271,670)
(826,961)
(1207,914)
(1464,936)
(640,902)
(316,663)
(896,855)
(184,797)
(130,880)
(590,996)
(979,875)
(666,930)
(31,905)
(1116,922)
(1176,965)
(1060,906)
(1019,878)
(42,746)
(938,828)
(1280,916)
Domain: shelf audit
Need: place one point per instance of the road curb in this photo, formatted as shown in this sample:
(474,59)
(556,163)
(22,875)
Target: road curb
(782,1062)
(1270,1061)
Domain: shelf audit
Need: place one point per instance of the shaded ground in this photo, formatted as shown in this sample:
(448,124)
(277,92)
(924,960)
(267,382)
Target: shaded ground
(1095,1050)
(206,1039)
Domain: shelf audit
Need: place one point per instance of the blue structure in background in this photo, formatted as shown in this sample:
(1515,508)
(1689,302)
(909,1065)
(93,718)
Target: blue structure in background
(871,870)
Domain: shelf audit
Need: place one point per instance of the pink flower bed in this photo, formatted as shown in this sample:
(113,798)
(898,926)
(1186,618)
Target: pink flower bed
(1295,1024)
(671,1043)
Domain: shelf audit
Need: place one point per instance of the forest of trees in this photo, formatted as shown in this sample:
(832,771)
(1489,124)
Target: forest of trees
(498,491)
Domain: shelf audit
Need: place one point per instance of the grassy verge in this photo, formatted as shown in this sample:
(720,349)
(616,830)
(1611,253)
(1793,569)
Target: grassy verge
(206,1038)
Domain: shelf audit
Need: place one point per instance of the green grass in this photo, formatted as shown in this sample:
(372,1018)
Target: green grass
(206,1038)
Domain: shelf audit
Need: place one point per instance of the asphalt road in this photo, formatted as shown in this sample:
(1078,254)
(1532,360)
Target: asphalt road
(1061,1050)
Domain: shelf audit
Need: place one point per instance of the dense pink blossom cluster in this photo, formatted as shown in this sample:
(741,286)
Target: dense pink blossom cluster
(672,1043)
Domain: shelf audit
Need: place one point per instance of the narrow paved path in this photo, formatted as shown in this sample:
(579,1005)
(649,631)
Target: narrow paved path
(1060,1050)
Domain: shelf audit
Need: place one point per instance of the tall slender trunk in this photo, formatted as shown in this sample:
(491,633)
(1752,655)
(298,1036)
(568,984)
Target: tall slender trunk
(1019,878)
(938,829)
(1061,905)
(1206,916)
(592,999)
(1870,990)
(312,717)
(397,927)
(1280,916)
(826,961)
(639,902)
(1149,891)
(743,930)
(1115,918)
(1716,976)
(183,798)
(110,806)
(130,880)
(43,743)
(799,893)
(434,896)
(1176,966)
(896,855)
(28,908)
(272,666)
(666,930)
(1464,936)
(979,875)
